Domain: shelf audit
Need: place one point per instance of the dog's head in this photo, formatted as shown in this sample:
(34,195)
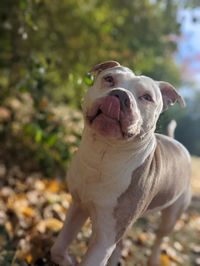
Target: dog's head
(121,105)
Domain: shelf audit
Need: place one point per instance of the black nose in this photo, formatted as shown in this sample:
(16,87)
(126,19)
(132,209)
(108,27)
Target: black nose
(123,98)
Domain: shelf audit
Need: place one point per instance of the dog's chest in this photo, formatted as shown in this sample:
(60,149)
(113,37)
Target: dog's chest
(102,178)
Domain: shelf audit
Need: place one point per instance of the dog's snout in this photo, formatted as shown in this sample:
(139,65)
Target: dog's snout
(123,98)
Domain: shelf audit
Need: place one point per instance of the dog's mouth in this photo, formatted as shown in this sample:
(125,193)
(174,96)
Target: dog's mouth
(108,117)
(108,107)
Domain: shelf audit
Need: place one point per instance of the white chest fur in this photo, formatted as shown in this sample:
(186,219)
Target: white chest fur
(100,171)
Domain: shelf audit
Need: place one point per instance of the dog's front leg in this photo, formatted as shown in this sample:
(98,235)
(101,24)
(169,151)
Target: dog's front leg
(116,255)
(103,239)
(76,216)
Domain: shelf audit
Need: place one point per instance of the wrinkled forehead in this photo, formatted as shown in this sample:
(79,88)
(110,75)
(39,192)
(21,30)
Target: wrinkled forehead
(119,71)
(127,79)
(143,83)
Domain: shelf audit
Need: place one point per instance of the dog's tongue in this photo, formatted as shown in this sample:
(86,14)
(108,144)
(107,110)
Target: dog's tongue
(111,107)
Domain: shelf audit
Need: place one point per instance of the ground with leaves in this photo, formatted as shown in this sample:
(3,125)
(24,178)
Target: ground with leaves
(33,208)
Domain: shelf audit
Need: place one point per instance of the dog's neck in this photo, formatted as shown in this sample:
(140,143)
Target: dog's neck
(94,147)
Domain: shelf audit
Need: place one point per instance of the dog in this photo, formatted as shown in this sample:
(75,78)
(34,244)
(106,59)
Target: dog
(123,169)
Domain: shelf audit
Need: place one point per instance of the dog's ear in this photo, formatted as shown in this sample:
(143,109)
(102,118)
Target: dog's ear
(170,95)
(104,65)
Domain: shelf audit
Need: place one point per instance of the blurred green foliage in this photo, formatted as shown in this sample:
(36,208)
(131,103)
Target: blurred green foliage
(47,47)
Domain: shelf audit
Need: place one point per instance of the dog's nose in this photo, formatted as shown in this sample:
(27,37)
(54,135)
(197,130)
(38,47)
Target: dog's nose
(122,96)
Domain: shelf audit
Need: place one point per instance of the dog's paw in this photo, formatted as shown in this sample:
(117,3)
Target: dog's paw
(62,259)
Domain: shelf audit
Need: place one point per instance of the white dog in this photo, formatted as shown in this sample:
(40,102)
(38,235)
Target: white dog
(122,169)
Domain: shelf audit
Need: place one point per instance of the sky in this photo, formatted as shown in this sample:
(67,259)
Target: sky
(188,54)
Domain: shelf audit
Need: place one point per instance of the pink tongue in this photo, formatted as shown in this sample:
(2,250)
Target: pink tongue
(111,107)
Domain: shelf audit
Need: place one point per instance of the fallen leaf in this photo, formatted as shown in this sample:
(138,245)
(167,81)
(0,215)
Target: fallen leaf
(53,186)
(165,260)
(197,261)
(29,258)
(195,248)
(51,224)
(142,238)
(40,185)
(28,212)
(9,229)
(178,246)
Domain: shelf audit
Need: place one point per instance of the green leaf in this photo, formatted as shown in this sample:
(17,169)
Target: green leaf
(38,136)
(88,79)
(23,4)
(51,140)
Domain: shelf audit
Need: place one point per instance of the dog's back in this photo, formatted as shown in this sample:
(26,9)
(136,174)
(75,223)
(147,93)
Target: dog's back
(173,165)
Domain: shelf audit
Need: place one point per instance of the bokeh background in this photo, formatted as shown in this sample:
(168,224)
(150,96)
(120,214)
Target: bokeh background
(47,48)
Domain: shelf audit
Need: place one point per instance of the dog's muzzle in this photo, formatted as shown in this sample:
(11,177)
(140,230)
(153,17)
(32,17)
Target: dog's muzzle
(114,115)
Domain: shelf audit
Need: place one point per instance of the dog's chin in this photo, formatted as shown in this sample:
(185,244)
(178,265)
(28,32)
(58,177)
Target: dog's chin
(107,127)
(111,128)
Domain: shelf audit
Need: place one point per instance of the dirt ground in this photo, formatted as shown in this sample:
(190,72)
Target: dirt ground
(32,211)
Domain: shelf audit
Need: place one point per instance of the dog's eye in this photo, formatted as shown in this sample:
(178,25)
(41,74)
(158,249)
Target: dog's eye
(109,79)
(146,97)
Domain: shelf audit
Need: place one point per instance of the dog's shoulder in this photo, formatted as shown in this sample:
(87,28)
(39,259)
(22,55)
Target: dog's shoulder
(168,145)
(172,158)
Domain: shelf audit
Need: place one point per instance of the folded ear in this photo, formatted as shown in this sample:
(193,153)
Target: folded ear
(170,95)
(104,65)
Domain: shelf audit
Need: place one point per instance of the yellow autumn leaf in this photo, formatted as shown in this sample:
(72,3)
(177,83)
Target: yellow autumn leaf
(54,186)
(52,224)
(16,201)
(142,238)
(69,197)
(29,258)
(164,260)
(9,229)
(28,212)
